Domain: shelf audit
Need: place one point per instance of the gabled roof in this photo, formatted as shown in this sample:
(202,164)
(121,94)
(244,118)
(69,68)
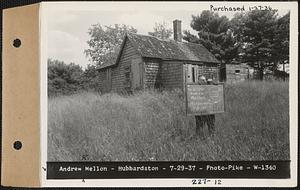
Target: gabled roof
(152,47)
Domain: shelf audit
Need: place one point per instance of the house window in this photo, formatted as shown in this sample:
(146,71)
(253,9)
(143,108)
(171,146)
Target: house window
(237,71)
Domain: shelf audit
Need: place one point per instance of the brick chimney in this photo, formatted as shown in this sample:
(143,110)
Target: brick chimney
(177,30)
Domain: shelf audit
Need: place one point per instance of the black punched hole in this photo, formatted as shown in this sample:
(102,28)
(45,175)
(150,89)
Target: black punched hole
(17,43)
(17,145)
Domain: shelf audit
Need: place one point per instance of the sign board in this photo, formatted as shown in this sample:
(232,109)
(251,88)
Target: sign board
(204,99)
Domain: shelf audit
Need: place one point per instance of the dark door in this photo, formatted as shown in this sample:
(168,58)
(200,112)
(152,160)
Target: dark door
(136,74)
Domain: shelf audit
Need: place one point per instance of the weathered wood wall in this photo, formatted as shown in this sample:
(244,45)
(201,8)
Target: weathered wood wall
(237,73)
(163,74)
(152,75)
(120,81)
(172,75)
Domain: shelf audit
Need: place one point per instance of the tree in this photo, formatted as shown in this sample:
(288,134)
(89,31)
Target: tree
(214,33)
(63,78)
(104,43)
(256,32)
(90,78)
(281,40)
(161,31)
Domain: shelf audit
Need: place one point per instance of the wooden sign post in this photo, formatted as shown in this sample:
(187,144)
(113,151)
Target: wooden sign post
(203,101)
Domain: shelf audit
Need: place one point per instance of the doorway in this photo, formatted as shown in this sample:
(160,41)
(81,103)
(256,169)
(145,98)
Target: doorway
(136,74)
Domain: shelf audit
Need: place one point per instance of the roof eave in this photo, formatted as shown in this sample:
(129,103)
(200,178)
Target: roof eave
(119,55)
(106,67)
(121,50)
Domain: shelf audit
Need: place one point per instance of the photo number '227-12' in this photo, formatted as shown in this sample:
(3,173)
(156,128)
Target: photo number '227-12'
(206,182)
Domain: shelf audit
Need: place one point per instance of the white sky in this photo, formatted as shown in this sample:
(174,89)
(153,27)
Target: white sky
(68,23)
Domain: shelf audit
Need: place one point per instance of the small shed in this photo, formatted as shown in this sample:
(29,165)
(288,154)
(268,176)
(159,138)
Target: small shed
(238,72)
(148,62)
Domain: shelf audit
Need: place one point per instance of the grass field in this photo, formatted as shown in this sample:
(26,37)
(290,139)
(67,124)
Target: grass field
(153,126)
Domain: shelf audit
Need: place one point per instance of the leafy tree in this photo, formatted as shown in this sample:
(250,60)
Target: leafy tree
(105,42)
(215,34)
(161,31)
(63,78)
(257,37)
(281,40)
(90,78)
(256,32)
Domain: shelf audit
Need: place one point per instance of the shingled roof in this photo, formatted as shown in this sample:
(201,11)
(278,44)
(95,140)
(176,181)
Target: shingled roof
(152,47)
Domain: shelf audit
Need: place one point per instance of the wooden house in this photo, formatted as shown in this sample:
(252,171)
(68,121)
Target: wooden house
(148,62)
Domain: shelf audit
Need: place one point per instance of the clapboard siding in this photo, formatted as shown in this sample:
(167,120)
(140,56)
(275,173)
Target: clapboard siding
(172,75)
(118,72)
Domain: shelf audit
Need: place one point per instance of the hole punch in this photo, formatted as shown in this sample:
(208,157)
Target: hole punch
(17,43)
(17,145)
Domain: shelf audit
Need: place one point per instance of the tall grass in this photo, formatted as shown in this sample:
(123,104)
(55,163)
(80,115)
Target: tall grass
(153,126)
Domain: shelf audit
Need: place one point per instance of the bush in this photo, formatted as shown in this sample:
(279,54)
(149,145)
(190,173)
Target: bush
(63,78)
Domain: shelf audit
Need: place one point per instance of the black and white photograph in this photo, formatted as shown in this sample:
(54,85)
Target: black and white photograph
(153,94)
(168,81)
